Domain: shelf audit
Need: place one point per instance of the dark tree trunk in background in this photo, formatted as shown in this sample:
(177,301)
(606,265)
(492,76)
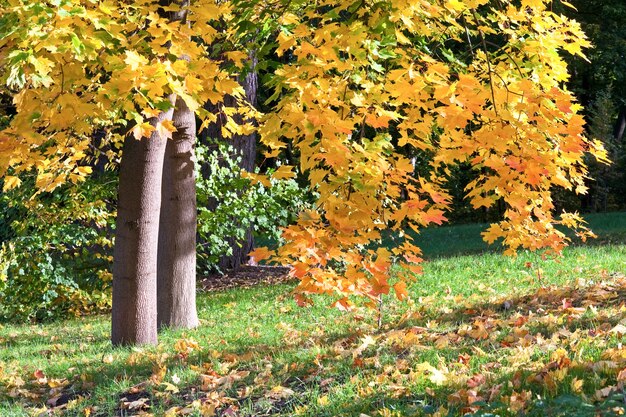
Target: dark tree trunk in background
(246,144)
(100,160)
(620,125)
(176,277)
(134,315)
(245,147)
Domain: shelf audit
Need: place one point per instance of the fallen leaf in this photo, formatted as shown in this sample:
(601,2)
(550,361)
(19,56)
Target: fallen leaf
(279,392)
(139,404)
(476,381)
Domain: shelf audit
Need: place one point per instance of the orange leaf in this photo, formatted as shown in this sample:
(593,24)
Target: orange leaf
(260,254)
(343,304)
(400,289)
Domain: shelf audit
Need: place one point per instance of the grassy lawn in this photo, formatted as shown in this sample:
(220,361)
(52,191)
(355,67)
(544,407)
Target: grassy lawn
(480,335)
(466,239)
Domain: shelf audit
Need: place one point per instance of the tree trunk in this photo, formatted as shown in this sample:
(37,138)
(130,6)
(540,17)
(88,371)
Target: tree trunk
(245,147)
(134,315)
(620,125)
(177,226)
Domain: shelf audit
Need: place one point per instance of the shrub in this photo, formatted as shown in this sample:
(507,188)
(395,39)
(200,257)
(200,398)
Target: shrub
(228,205)
(56,250)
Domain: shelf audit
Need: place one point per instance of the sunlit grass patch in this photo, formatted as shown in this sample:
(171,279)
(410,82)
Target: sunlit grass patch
(480,334)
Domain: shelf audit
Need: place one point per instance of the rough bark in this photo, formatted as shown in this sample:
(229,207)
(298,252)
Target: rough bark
(134,315)
(176,277)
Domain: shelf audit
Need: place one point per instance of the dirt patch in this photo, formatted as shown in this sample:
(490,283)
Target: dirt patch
(246,276)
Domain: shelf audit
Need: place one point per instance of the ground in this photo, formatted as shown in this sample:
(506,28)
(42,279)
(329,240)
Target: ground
(246,276)
(480,335)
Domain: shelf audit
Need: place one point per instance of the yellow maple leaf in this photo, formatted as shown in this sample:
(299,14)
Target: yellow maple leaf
(165,128)
(143,130)
(283,171)
(135,60)
(11,182)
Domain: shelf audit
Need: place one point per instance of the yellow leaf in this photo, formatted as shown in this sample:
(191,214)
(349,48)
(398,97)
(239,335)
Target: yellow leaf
(280,392)
(11,182)
(165,129)
(456,5)
(570,5)
(283,171)
(256,178)
(284,43)
(576,385)
(272,154)
(143,130)
(207,409)
(170,387)
(134,60)
(150,112)
(193,84)
(289,19)
(172,412)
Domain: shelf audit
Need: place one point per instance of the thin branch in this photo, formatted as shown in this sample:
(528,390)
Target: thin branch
(484,43)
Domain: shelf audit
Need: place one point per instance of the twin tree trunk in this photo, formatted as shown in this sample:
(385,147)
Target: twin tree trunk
(154,265)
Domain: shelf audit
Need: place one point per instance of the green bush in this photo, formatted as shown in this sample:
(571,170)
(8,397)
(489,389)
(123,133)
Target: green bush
(55,251)
(228,205)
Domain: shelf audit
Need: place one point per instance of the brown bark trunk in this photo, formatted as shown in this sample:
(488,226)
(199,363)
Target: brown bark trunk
(177,227)
(134,315)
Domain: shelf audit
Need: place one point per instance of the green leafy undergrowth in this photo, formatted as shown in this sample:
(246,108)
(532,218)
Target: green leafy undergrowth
(55,250)
(229,205)
(480,335)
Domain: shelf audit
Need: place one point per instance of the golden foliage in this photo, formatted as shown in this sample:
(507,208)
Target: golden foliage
(474,81)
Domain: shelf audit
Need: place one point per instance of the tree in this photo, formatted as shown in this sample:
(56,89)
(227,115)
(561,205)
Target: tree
(245,148)
(154,259)
(74,67)
(368,79)
(176,269)
(362,81)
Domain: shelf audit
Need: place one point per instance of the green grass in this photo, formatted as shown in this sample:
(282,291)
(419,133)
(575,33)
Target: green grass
(511,321)
(466,238)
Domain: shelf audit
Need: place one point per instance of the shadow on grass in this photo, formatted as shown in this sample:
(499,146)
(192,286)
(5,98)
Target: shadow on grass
(555,300)
(330,375)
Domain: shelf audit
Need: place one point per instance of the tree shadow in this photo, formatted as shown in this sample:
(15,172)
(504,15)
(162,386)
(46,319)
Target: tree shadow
(561,300)
(340,359)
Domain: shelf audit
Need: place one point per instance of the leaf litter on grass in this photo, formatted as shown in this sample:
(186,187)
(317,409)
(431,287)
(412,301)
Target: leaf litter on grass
(556,350)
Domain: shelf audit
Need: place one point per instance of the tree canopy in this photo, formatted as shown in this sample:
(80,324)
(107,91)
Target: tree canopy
(358,87)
